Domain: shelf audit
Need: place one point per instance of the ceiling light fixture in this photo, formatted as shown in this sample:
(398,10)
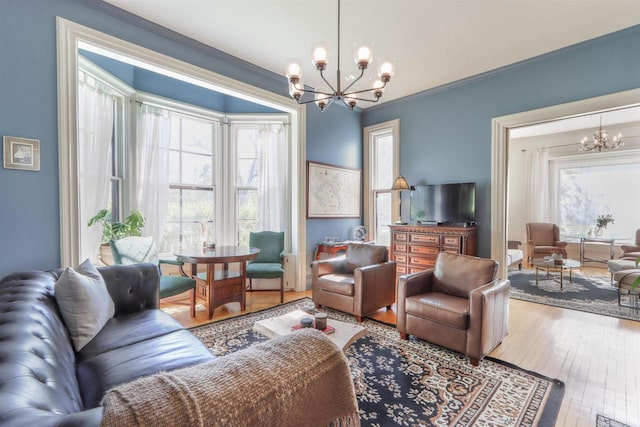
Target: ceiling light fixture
(600,141)
(324,97)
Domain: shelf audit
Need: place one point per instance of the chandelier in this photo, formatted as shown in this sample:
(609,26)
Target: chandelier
(323,97)
(600,141)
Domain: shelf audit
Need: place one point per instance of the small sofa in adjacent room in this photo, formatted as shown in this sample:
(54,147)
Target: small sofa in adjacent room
(44,381)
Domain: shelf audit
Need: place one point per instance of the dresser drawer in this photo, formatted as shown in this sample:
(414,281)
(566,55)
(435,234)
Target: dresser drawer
(400,237)
(401,269)
(417,270)
(399,248)
(400,259)
(418,261)
(428,239)
(451,241)
(423,250)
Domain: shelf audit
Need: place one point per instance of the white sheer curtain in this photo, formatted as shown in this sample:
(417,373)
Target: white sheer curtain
(95,133)
(273,177)
(537,201)
(152,168)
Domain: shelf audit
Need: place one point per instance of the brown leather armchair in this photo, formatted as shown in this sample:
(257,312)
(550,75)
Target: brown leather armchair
(543,239)
(359,283)
(459,304)
(632,251)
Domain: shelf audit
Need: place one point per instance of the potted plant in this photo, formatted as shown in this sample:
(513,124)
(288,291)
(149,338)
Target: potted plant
(132,226)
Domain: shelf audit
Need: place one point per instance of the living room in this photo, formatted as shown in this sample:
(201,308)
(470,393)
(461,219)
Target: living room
(456,120)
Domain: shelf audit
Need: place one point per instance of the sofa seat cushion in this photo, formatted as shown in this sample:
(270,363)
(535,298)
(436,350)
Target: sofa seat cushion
(174,285)
(514,256)
(264,270)
(442,308)
(117,332)
(104,371)
(337,283)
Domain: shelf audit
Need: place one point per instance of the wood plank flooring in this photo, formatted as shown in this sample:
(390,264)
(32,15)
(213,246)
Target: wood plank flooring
(597,357)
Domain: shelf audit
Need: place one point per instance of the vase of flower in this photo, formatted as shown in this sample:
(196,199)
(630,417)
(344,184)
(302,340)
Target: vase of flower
(601,224)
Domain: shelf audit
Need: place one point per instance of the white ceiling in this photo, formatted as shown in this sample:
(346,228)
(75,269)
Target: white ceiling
(432,42)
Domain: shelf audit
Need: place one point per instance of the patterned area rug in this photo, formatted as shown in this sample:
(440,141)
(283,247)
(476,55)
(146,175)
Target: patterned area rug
(413,383)
(602,421)
(590,292)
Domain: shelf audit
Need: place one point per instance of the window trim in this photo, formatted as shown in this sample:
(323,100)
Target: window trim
(70,36)
(370,133)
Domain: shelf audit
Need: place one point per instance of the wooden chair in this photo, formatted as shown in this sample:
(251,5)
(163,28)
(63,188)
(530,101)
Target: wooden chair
(269,263)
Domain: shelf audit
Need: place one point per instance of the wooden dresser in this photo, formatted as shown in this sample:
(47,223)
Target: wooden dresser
(415,247)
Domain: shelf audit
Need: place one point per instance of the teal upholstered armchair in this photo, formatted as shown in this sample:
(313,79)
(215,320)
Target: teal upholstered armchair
(136,250)
(269,263)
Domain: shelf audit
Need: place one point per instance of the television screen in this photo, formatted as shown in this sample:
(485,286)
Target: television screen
(444,203)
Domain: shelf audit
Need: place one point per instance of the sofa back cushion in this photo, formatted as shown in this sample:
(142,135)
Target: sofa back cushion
(460,274)
(361,255)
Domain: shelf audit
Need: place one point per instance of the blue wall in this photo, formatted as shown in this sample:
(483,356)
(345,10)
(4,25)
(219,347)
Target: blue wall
(446,132)
(29,201)
(337,141)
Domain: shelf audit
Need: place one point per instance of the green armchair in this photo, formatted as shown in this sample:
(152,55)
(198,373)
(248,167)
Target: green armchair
(269,263)
(136,250)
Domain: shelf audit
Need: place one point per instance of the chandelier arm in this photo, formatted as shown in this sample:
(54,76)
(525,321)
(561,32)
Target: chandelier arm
(364,90)
(362,99)
(352,83)
(329,84)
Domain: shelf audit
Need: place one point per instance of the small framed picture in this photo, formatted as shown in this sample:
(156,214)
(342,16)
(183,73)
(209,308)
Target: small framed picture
(21,153)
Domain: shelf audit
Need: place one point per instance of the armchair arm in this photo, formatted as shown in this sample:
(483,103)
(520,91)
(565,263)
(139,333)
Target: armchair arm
(488,317)
(374,287)
(408,285)
(180,264)
(630,248)
(561,244)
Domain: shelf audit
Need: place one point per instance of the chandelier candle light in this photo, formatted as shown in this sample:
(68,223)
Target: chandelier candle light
(601,141)
(324,97)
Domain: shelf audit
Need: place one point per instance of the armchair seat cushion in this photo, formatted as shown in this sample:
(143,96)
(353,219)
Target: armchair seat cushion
(442,308)
(174,285)
(337,283)
(546,249)
(264,270)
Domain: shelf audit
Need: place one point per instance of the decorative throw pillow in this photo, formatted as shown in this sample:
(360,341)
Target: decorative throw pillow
(84,301)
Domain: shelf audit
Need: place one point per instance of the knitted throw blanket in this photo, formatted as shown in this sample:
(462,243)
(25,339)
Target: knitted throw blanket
(301,379)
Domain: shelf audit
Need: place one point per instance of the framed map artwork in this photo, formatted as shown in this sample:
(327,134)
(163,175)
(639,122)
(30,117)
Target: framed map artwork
(332,192)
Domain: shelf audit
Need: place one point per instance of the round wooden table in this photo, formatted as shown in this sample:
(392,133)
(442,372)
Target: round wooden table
(221,286)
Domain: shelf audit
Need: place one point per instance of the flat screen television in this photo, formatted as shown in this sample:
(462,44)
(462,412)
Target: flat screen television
(453,204)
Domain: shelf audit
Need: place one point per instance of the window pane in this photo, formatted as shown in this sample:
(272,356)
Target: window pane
(384,161)
(196,169)
(197,136)
(248,174)
(586,192)
(383,218)
(175,132)
(247,214)
(174,167)
(197,205)
(247,143)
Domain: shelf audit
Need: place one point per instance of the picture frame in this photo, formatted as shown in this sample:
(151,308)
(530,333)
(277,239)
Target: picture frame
(21,153)
(333,191)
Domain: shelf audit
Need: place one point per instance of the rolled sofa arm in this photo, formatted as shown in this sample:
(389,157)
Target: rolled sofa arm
(133,288)
(301,379)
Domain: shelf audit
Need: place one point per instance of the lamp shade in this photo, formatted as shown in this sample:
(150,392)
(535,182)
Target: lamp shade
(400,184)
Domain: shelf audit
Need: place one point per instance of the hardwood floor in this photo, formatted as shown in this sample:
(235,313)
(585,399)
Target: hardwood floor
(597,357)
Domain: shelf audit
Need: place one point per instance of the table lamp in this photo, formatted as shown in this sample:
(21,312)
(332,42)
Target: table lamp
(400,184)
